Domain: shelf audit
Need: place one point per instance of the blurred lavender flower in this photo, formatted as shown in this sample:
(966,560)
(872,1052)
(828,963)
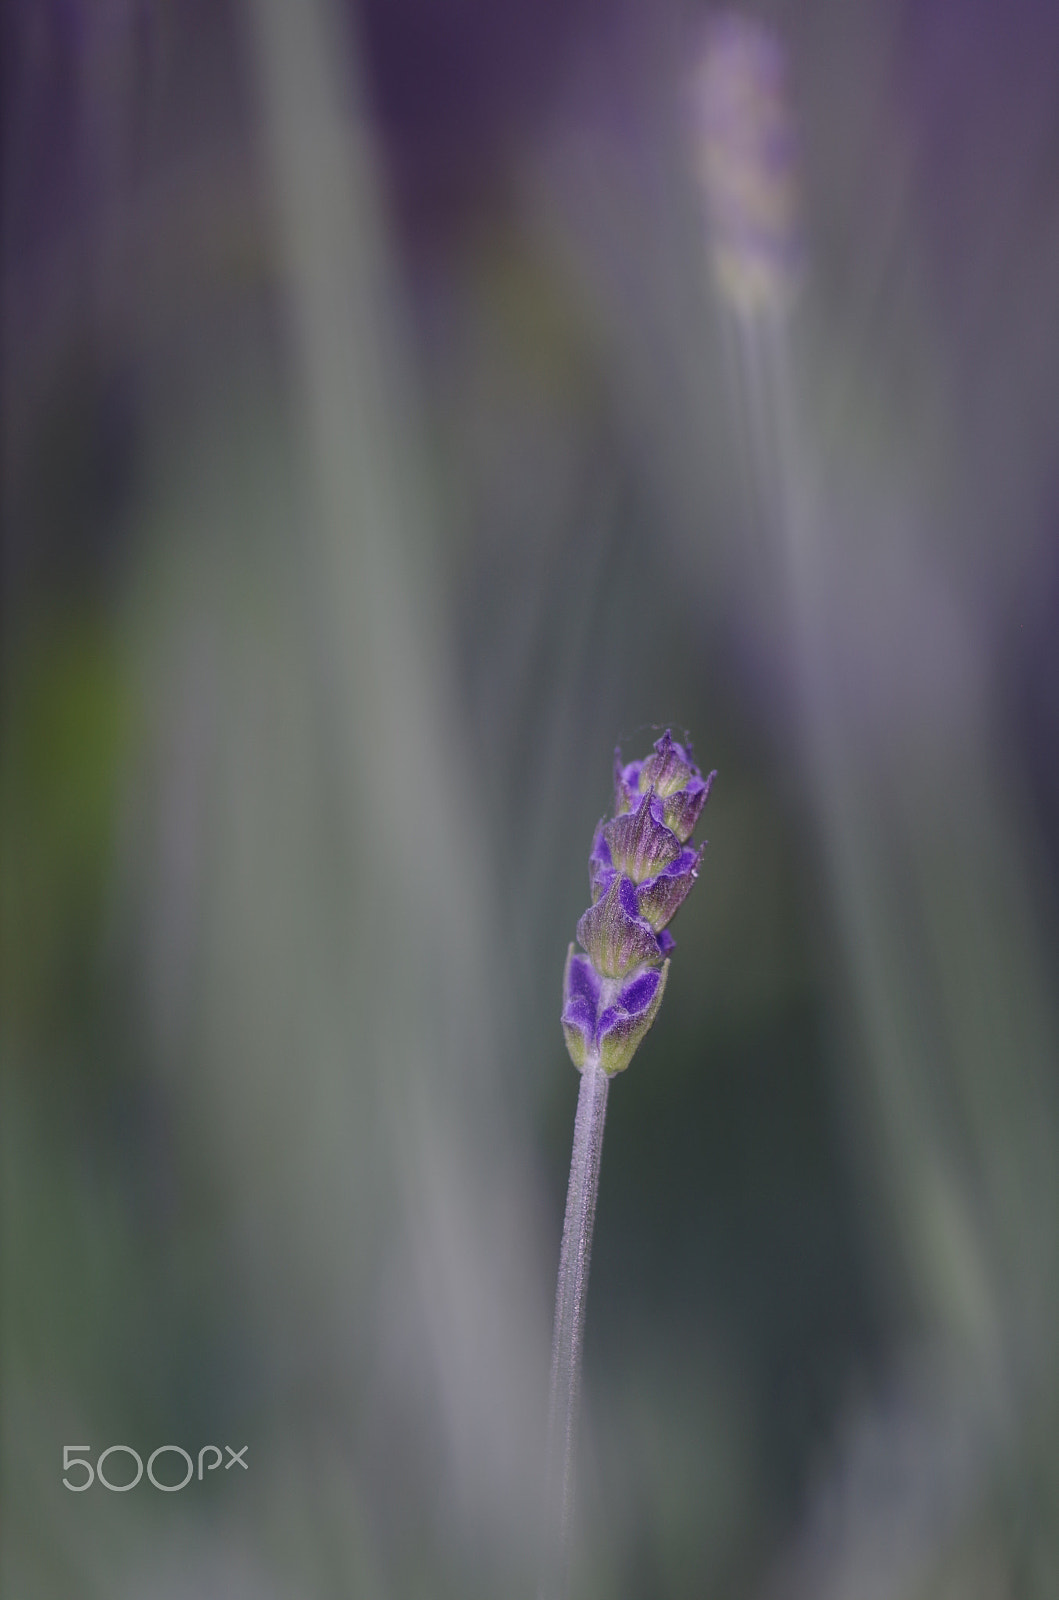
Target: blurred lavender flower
(641,869)
(746,157)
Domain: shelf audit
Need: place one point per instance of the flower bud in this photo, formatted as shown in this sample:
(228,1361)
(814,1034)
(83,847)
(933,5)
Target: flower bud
(615,935)
(603,1025)
(681,810)
(663,895)
(640,843)
(668,770)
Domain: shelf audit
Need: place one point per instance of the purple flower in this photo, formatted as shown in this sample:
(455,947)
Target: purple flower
(640,870)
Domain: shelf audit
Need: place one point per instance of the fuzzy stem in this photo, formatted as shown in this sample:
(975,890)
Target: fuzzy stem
(568,1336)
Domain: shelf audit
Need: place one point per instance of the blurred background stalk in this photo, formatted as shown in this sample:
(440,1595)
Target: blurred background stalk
(923,842)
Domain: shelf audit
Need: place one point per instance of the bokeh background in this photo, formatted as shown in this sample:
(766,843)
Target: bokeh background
(404,403)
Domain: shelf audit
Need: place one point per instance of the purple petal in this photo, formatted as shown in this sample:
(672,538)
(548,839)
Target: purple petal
(600,864)
(627,898)
(638,994)
(581,981)
(626,784)
(581,988)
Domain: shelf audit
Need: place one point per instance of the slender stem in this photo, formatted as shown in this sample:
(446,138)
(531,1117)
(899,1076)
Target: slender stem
(568,1336)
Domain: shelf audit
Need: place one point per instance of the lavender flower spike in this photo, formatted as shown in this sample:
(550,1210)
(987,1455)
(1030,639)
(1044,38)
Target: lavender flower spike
(640,869)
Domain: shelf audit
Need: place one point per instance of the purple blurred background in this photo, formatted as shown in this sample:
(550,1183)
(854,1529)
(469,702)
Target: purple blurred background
(402,405)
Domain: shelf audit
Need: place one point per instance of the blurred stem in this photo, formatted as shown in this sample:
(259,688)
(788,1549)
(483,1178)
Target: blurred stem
(568,1337)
